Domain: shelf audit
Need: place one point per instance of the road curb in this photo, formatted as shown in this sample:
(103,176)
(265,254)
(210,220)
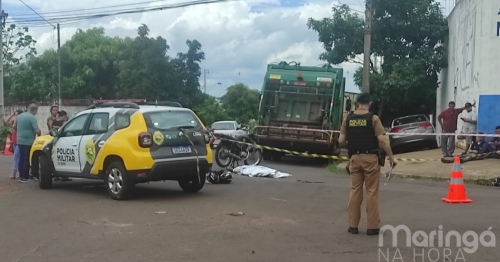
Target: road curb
(481,181)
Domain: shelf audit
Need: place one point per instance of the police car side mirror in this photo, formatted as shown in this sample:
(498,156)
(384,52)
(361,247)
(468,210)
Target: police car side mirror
(53,132)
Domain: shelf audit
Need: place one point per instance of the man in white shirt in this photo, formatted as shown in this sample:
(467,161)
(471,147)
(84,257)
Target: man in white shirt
(469,127)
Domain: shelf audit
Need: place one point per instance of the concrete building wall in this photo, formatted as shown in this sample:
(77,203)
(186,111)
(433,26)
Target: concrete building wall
(44,113)
(473,59)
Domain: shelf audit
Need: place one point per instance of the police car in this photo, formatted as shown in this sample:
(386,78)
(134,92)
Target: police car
(123,144)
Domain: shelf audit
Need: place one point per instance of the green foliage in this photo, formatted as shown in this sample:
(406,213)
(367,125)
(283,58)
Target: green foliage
(5,131)
(96,66)
(408,35)
(210,111)
(241,103)
(16,39)
(18,47)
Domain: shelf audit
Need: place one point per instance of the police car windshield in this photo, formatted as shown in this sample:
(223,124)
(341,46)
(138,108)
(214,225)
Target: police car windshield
(171,120)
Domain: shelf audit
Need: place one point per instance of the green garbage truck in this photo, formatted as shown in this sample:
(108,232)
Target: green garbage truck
(300,109)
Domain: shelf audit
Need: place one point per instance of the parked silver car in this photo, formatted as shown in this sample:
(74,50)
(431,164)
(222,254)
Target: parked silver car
(412,124)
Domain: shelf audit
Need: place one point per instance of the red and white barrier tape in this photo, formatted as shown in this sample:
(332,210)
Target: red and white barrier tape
(435,134)
(441,134)
(389,133)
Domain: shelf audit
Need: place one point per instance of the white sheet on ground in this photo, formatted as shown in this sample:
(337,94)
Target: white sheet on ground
(259,171)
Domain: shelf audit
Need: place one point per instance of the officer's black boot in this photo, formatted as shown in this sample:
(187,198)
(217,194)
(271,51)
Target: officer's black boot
(353,230)
(372,232)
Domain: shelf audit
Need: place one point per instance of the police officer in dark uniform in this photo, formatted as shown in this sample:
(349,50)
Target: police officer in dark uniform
(364,134)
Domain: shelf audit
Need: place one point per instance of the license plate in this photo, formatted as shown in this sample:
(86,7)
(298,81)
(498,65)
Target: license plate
(181,150)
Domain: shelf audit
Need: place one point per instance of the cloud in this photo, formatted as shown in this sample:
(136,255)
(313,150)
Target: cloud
(238,37)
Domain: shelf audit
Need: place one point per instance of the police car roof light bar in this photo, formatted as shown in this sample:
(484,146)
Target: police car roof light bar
(134,105)
(114,104)
(160,103)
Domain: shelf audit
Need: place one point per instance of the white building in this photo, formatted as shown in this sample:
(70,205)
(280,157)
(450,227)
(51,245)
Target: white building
(473,72)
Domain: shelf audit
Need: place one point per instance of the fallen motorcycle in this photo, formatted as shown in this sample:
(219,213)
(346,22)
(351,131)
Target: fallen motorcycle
(232,150)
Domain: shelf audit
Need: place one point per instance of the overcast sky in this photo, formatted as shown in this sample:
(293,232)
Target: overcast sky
(239,37)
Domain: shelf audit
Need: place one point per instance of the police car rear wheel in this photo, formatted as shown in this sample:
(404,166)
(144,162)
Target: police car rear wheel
(118,184)
(44,173)
(192,184)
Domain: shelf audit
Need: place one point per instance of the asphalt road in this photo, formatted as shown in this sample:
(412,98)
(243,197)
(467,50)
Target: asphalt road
(284,220)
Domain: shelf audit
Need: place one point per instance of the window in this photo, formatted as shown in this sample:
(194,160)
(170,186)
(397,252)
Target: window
(121,121)
(171,120)
(75,126)
(223,126)
(409,120)
(98,124)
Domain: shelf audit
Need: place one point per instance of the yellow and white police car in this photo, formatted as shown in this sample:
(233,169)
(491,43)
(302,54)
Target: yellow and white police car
(124,144)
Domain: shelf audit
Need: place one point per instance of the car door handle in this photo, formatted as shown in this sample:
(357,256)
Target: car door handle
(101,143)
(74,145)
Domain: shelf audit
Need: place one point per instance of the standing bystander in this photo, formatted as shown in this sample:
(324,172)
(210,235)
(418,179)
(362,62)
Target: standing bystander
(469,127)
(52,117)
(12,120)
(26,127)
(448,121)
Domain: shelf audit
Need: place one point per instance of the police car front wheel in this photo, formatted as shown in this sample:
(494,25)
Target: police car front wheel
(44,172)
(117,182)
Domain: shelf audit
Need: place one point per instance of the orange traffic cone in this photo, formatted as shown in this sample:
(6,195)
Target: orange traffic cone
(8,144)
(456,191)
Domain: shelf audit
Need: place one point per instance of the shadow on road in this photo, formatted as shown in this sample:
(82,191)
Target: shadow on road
(300,161)
(168,190)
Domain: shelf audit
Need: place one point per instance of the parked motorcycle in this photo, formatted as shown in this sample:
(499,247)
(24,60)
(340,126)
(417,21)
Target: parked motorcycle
(230,152)
(211,136)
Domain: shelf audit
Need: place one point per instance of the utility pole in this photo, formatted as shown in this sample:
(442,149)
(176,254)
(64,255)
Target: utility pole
(2,21)
(205,72)
(59,61)
(367,47)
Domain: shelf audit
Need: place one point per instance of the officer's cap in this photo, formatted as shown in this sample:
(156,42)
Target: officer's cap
(364,99)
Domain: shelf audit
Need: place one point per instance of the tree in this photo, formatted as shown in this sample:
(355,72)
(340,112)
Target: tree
(408,35)
(101,67)
(240,103)
(209,110)
(187,68)
(88,62)
(16,40)
(144,68)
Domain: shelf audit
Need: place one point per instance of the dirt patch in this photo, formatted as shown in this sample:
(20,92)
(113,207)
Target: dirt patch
(4,190)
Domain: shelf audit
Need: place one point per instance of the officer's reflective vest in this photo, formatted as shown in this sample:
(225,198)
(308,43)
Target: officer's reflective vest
(361,137)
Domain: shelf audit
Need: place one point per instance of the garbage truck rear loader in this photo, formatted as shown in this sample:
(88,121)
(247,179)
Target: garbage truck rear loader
(301,109)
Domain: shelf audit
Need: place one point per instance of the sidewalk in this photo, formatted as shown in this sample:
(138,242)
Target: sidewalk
(473,170)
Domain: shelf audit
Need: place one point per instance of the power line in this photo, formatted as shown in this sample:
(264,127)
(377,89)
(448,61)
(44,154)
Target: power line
(80,18)
(94,8)
(36,12)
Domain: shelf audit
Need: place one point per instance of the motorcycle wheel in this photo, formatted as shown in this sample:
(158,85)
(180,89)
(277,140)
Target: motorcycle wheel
(218,153)
(259,154)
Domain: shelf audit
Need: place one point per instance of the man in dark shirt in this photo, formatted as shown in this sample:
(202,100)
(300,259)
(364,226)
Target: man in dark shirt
(474,153)
(495,142)
(448,121)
